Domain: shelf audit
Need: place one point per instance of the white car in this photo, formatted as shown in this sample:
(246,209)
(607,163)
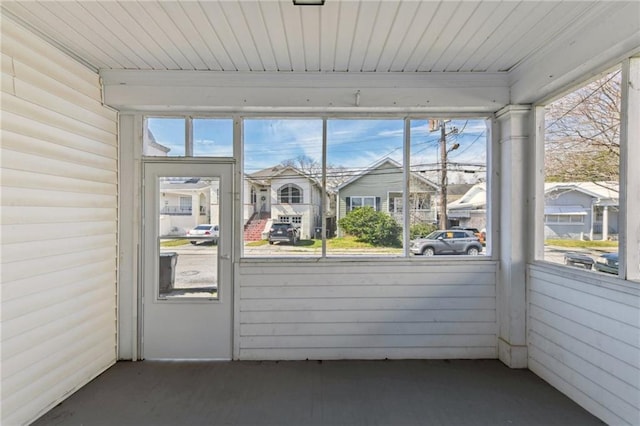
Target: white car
(204,232)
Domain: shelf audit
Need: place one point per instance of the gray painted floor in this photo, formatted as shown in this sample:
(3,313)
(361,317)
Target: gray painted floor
(461,392)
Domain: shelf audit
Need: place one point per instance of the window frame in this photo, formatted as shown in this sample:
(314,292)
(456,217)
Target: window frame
(290,187)
(362,199)
(238,119)
(629,177)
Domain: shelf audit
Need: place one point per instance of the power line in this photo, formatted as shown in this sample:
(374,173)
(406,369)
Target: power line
(583,100)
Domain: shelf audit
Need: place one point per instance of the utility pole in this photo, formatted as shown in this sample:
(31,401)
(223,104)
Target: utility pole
(444,152)
(442,222)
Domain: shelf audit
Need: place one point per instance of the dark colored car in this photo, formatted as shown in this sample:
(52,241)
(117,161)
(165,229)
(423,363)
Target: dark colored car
(578,259)
(453,241)
(283,233)
(608,263)
(481,235)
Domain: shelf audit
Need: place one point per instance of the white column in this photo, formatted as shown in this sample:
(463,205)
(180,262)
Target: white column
(195,208)
(514,124)
(605,223)
(130,197)
(629,223)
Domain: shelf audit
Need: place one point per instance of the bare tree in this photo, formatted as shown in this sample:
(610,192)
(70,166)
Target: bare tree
(305,164)
(582,137)
(336,175)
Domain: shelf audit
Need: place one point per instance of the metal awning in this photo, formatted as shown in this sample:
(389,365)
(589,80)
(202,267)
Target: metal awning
(459,214)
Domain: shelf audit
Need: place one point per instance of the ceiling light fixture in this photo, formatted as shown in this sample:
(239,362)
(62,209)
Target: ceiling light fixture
(308,2)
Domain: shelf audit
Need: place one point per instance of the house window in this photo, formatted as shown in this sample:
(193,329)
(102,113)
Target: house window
(420,201)
(282,159)
(582,168)
(290,194)
(290,219)
(360,201)
(564,219)
(448,180)
(185,204)
(347,165)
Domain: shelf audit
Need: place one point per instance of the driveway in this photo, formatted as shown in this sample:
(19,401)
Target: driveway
(197,265)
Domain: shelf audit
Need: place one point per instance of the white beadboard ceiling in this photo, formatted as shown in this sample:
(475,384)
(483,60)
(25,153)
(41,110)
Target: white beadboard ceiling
(274,35)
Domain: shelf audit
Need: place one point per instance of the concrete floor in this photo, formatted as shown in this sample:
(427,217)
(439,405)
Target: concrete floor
(461,392)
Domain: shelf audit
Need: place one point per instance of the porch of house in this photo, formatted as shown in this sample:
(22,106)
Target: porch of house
(405,392)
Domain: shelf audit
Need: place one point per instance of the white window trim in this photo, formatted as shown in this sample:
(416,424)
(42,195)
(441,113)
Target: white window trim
(290,186)
(629,225)
(362,197)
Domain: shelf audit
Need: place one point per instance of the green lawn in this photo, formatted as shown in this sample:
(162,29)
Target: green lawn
(257,243)
(338,243)
(173,243)
(581,244)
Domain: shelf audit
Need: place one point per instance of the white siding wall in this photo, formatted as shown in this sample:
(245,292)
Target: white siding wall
(366,310)
(59,210)
(584,339)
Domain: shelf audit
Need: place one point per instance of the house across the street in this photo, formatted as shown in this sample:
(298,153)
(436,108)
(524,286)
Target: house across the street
(380,187)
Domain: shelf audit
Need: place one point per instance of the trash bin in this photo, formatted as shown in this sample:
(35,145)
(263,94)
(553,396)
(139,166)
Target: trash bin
(317,233)
(168,263)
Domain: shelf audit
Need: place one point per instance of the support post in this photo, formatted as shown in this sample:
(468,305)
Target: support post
(629,229)
(514,123)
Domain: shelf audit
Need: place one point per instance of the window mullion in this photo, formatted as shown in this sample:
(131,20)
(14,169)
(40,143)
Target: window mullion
(629,244)
(188,137)
(406,186)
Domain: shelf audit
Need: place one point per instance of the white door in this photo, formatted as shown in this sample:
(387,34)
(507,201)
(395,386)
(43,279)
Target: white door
(187,271)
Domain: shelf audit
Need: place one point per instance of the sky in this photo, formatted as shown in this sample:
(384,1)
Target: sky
(353,144)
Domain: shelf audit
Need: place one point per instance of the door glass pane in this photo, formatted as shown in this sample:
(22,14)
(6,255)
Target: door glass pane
(188,232)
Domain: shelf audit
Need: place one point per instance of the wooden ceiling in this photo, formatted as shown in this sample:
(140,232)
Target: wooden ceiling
(274,35)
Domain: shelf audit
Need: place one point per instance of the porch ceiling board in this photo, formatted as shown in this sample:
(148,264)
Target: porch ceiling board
(345,36)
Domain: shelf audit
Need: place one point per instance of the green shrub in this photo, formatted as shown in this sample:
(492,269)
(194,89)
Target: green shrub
(370,226)
(421,230)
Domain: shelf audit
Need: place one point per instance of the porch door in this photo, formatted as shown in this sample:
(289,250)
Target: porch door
(187,269)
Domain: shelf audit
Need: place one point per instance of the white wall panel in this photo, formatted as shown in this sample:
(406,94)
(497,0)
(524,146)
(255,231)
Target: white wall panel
(366,310)
(59,221)
(584,339)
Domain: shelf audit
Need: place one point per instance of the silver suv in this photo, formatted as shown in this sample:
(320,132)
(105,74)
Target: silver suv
(450,241)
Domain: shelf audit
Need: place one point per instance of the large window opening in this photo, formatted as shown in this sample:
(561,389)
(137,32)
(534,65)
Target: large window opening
(347,186)
(282,187)
(582,176)
(338,187)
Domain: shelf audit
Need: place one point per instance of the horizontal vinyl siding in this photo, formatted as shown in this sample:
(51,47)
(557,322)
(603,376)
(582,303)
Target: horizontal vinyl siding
(366,310)
(584,339)
(59,221)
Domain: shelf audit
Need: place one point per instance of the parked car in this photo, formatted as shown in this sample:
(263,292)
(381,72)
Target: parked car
(578,259)
(481,235)
(608,263)
(452,241)
(283,233)
(204,233)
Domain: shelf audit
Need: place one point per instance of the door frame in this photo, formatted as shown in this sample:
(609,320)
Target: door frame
(230,250)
